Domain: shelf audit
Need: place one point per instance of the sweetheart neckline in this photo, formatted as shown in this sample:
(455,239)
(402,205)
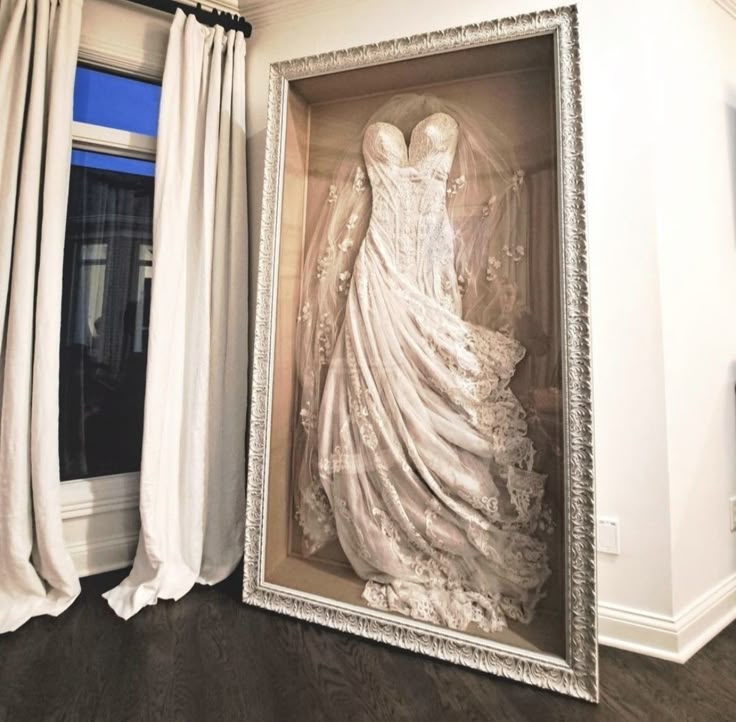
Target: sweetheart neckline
(407,146)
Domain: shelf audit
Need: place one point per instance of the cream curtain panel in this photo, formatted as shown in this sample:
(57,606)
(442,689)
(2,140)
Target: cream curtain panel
(193,469)
(39,41)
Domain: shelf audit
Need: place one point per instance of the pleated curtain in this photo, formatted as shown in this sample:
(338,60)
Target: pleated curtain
(192,493)
(39,41)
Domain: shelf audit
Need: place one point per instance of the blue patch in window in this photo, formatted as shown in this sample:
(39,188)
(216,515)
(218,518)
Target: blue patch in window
(102,161)
(116,102)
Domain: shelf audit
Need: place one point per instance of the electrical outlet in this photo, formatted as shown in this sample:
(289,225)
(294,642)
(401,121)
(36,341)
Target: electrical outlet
(732,503)
(608,537)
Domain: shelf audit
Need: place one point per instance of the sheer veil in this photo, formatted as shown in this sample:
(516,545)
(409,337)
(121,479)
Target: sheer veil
(485,196)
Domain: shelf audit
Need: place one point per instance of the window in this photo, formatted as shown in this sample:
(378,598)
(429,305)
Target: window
(114,101)
(107,275)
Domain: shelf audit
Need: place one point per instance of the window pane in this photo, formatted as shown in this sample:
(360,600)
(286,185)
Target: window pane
(104,329)
(116,102)
(103,161)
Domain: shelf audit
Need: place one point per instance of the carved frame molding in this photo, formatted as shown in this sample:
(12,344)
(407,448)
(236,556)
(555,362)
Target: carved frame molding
(577,673)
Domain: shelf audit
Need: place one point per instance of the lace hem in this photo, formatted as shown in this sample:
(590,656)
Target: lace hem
(453,608)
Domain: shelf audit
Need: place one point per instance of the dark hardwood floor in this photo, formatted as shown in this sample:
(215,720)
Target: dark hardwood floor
(209,657)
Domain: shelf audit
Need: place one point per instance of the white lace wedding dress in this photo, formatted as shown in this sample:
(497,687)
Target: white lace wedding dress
(423,452)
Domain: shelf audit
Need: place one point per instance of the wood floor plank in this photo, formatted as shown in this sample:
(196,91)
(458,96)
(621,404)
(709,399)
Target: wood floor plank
(209,657)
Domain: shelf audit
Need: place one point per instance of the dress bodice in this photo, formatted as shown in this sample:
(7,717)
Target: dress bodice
(431,148)
(409,216)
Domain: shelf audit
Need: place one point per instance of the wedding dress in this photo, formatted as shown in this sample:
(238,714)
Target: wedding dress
(422,448)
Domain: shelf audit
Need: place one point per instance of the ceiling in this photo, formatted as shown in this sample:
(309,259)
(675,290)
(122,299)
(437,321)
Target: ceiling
(261,13)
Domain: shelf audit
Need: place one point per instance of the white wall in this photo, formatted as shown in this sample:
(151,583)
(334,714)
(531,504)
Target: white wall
(696,239)
(123,36)
(630,433)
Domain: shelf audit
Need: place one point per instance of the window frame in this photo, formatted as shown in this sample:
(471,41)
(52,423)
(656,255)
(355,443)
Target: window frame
(100,139)
(100,517)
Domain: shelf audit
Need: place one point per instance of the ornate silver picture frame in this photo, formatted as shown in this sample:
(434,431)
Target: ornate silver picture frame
(526,69)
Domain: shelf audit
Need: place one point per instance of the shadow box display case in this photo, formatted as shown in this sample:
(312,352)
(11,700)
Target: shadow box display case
(420,463)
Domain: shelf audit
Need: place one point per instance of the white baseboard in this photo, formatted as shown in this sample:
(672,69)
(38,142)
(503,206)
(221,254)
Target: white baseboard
(101,522)
(103,556)
(676,638)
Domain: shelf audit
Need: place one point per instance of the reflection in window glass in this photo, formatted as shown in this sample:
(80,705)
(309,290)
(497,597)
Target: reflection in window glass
(105,312)
(114,101)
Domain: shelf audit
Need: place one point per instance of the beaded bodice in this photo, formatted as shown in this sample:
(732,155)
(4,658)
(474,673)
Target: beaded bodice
(409,216)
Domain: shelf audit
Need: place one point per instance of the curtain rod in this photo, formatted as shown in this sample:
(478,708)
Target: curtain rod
(204,16)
